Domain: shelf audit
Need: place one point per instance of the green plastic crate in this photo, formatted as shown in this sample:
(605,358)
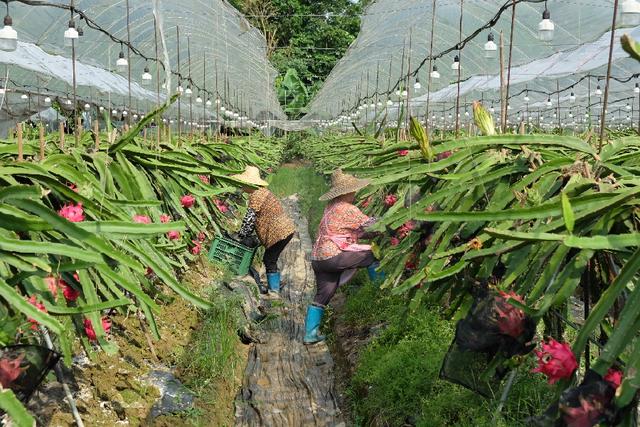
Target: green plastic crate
(232,254)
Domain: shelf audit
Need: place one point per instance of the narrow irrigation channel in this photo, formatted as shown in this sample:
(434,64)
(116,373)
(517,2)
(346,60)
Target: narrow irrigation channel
(287,383)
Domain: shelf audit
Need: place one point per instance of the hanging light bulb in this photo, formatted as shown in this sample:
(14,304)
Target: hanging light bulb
(526,97)
(598,91)
(572,97)
(636,90)
(8,36)
(434,73)
(456,63)
(70,34)
(68,102)
(417,85)
(492,110)
(628,107)
(198,100)
(404,93)
(24,96)
(222,109)
(114,112)
(87,107)
(101,108)
(47,100)
(389,102)
(218,101)
(630,13)
(188,92)
(546,27)
(122,64)
(135,117)
(146,76)
(549,103)
(208,103)
(490,47)
(125,113)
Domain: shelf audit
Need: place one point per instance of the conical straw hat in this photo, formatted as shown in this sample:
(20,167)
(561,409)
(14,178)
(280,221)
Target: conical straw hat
(251,175)
(342,183)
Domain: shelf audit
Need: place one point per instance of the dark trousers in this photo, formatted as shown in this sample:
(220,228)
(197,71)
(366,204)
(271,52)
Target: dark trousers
(272,254)
(328,272)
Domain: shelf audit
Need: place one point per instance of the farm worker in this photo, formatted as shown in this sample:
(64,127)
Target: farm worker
(266,216)
(336,253)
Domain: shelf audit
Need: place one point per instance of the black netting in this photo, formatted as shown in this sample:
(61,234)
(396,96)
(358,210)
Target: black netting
(590,404)
(23,367)
(492,331)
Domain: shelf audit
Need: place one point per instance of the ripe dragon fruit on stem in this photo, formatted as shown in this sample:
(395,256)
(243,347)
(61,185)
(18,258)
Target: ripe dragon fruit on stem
(91,333)
(141,219)
(614,377)
(173,235)
(73,213)
(197,247)
(33,300)
(10,371)
(188,201)
(390,200)
(164,218)
(511,320)
(556,361)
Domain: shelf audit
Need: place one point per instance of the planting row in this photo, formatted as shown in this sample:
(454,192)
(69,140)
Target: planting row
(86,232)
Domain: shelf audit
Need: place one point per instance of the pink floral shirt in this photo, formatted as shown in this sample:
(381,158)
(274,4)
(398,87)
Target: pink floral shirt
(340,218)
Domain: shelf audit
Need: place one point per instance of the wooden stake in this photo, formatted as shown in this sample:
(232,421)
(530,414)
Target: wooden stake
(503,87)
(144,136)
(61,136)
(96,134)
(126,128)
(42,143)
(20,148)
(78,129)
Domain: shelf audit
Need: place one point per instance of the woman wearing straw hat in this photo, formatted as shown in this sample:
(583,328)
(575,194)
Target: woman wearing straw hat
(266,216)
(336,254)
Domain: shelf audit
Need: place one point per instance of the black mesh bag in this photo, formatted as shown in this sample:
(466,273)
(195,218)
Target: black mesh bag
(589,404)
(23,367)
(492,331)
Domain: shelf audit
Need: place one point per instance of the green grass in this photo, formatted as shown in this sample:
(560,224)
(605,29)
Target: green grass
(305,182)
(397,377)
(212,354)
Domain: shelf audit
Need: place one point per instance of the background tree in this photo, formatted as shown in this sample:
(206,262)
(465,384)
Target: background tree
(308,36)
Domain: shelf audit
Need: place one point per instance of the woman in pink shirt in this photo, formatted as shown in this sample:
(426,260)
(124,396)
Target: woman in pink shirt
(336,254)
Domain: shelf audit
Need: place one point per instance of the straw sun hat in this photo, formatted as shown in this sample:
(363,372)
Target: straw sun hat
(342,183)
(251,175)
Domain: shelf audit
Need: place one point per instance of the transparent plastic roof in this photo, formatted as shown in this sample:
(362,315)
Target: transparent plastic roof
(395,37)
(212,33)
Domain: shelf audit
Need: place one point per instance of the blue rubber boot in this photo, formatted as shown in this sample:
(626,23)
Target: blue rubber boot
(312,325)
(376,276)
(273,280)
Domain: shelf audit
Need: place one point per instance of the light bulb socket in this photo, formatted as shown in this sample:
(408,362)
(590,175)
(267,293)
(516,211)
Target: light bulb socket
(8,21)
(546,14)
